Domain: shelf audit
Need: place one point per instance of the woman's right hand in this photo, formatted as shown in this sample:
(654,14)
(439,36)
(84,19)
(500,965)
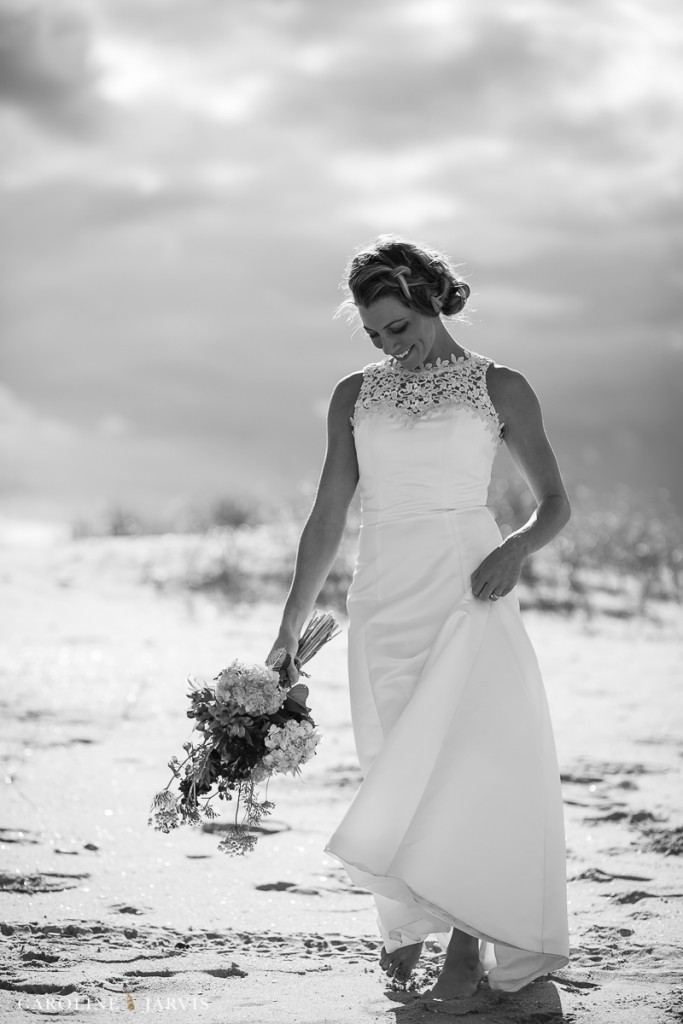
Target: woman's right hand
(290,643)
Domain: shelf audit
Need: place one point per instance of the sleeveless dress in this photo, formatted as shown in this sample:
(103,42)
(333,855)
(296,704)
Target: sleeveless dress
(458,820)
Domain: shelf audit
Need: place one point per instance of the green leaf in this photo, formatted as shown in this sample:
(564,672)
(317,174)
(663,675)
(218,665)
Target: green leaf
(299,693)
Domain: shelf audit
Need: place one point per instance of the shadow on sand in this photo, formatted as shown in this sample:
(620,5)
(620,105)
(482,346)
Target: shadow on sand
(538,1003)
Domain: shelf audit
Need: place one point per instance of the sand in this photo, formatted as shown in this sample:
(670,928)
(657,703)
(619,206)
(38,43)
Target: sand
(101,916)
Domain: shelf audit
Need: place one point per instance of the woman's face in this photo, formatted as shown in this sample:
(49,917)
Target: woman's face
(399,331)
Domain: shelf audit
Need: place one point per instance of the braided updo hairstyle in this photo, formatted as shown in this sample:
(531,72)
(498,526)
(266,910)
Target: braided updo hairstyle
(423,279)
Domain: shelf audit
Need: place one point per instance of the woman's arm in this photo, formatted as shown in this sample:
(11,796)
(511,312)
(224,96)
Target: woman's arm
(324,528)
(518,407)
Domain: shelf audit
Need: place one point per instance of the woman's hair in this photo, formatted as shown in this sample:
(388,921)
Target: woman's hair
(421,278)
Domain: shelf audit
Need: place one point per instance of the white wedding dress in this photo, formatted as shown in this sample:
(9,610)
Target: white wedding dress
(458,821)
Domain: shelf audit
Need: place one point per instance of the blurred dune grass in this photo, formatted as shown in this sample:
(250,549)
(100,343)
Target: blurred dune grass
(621,557)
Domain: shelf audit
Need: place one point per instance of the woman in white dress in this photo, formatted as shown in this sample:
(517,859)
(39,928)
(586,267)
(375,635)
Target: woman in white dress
(457,827)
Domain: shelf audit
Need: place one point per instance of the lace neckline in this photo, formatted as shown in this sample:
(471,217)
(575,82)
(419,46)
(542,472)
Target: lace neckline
(440,364)
(388,389)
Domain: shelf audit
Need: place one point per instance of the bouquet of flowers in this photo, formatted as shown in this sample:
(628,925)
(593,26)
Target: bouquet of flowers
(251,724)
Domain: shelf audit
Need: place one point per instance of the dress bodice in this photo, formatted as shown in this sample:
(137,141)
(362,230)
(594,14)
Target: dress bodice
(425,439)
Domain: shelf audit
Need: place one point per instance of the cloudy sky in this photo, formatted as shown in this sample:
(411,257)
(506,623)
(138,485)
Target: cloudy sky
(181,185)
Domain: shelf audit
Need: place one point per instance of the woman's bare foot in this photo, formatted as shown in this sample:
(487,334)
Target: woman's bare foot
(462,970)
(400,963)
(458,980)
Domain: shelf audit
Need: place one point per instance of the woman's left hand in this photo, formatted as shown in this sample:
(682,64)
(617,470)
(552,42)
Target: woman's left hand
(499,572)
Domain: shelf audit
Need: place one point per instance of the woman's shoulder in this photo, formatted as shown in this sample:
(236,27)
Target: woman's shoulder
(345,394)
(508,388)
(349,386)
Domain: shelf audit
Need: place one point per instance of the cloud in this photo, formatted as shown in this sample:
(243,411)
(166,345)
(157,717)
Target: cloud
(114,425)
(179,272)
(21,423)
(46,69)
(32,443)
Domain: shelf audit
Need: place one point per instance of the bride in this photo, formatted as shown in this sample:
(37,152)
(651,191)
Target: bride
(457,827)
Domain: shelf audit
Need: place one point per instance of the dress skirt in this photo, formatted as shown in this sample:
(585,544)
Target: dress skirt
(458,820)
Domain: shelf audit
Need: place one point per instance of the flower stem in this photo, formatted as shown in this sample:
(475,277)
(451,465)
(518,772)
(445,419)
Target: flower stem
(180,765)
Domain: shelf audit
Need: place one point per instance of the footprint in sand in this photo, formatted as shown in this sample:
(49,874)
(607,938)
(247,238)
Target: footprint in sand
(287,887)
(632,817)
(342,775)
(151,974)
(35,958)
(637,895)
(233,971)
(598,875)
(47,881)
(587,774)
(37,988)
(609,932)
(265,828)
(668,841)
(578,984)
(22,836)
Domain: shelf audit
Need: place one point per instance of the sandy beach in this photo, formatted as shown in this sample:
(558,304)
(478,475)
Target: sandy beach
(102,916)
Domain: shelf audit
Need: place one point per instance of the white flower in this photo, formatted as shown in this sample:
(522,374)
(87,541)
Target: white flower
(290,746)
(255,688)
(260,773)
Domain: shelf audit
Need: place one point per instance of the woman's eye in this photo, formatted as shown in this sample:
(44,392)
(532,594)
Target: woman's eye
(399,330)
